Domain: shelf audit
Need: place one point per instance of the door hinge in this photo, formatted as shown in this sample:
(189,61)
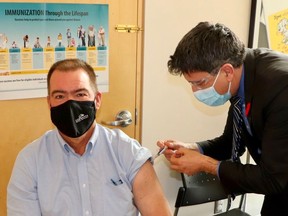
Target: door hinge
(128,28)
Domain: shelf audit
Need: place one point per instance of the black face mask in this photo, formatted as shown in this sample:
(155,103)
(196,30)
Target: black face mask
(73,118)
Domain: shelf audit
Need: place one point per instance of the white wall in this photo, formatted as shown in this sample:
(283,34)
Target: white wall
(169,108)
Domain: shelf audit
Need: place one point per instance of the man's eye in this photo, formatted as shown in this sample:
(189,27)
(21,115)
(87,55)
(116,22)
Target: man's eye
(59,96)
(202,82)
(197,83)
(81,94)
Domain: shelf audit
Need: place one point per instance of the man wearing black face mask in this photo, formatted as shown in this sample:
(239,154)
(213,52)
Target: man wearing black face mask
(82,168)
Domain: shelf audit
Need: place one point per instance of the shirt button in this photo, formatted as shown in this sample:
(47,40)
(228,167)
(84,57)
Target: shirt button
(87,212)
(84,185)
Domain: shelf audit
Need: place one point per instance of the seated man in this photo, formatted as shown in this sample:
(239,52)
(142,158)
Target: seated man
(81,167)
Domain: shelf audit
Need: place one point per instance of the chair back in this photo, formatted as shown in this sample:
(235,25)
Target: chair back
(199,188)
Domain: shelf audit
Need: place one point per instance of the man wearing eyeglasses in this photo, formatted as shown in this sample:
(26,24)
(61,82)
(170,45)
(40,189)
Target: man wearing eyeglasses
(255,81)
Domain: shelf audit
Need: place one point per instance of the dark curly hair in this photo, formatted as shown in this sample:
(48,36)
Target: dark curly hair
(206,48)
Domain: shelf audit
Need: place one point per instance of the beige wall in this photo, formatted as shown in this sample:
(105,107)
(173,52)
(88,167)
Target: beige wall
(169,108)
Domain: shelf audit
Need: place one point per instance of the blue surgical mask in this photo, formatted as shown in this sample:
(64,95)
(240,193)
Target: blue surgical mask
(211,97)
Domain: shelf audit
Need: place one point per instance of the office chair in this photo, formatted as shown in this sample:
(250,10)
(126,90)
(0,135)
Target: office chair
(203,188)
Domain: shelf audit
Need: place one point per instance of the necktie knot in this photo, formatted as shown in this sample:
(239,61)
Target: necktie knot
(235,100)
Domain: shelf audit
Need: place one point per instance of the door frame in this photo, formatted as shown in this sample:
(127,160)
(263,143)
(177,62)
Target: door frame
(139,71)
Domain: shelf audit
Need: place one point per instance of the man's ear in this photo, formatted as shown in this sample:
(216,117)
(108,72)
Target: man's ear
(229,71)
(98,98)
(48,102)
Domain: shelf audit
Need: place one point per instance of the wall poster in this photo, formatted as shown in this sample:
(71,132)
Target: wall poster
(35,35)
(270,24)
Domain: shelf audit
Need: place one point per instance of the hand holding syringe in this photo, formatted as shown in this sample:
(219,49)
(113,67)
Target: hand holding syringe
(172,146)
(161,151)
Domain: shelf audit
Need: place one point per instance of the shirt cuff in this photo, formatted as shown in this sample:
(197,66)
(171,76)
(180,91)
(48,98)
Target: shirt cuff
(218,169)
(200,148)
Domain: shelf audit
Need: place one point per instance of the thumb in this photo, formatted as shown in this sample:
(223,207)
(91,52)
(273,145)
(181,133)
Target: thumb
(180,152)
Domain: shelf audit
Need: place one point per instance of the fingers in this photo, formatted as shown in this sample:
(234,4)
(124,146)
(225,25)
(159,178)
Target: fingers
(161,143)
(177,165)
(168,154)
(175,159)
(170,149)
(171,144)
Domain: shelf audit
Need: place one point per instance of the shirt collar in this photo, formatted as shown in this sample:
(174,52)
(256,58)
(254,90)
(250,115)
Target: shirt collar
(93,138)
(62,142)
(241,92)
(89,147)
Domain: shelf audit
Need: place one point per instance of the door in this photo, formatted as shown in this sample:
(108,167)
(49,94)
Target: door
(125,66)
(25,120)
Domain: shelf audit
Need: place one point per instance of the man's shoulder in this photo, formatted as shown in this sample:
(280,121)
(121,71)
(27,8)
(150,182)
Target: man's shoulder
(112,133)
(117,139)
(264,54)
(38,143)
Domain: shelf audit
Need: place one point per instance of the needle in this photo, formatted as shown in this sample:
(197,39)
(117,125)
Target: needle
(161,151)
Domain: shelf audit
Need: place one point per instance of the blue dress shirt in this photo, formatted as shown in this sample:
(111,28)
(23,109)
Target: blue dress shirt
(49,178)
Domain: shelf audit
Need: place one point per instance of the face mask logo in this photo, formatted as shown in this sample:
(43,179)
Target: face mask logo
(211,97)
(73,118)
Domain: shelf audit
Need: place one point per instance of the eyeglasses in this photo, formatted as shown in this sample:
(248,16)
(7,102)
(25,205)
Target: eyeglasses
(199,84)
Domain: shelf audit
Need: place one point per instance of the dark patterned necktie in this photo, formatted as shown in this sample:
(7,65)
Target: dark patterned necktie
(238,146)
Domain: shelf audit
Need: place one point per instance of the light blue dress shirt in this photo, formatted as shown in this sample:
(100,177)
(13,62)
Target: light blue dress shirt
(50,179)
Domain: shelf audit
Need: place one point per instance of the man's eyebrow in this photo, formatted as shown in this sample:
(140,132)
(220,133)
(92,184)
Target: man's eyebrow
(81,90)
(57,92)
(74,91)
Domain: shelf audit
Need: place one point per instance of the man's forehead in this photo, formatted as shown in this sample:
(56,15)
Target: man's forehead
(69,78)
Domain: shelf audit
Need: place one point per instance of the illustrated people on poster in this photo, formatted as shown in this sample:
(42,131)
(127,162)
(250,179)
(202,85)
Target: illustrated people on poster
(73,42)
(37,43)
(48,44)
(101,36)
(14,44)
(59,39)
(79,36)
(26,41)
(68,34)
(283,29)
(91,36)
(4,41)
(83,35)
